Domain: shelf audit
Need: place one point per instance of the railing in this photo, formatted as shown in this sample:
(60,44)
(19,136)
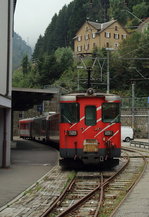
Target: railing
(139,144)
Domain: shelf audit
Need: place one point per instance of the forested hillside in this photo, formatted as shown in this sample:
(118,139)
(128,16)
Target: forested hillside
(53,61)
(20,49)
(63,26)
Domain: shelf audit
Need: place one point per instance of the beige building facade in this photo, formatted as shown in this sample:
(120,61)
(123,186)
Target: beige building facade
(144,26)
(98,35)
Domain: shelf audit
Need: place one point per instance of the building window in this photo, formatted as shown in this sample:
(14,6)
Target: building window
(146,27)
(86,47)
(107,44)
(94,45)
(93,35)
(124,36)
(116,28)
(79,38)
(86,37)
(116,45)
(107,34)
(79,48)
(116,35)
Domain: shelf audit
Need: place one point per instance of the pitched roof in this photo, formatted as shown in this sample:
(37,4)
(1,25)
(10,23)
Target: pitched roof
(101,26)
(98,26)
(143,23)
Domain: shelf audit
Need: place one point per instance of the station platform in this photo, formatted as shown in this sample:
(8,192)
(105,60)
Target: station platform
(137,202)
(29,162)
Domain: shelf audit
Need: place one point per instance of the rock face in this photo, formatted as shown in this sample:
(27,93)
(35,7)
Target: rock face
(20,49)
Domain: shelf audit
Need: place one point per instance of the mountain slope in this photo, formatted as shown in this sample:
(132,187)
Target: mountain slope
(20,49)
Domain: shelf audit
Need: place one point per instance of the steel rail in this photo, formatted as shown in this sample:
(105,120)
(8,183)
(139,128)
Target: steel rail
(101,197)
(58,199)
(86,197)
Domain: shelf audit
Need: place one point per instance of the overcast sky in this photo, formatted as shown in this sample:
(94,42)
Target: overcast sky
(33,16)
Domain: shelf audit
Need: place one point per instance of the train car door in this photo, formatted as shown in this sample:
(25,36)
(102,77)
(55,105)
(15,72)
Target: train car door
(90,123)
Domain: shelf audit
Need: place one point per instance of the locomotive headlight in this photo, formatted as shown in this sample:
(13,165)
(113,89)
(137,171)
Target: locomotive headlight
(108,133)
(72,133)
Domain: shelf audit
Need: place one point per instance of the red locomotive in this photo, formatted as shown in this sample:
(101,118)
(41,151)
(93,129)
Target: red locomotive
(90,127)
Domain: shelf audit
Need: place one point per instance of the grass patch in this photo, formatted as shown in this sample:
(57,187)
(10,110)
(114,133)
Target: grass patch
(35,189)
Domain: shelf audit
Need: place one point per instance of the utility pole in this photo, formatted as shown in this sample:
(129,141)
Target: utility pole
(108,72)
(148,118)
(89,77)
(133,105)
(148,125)
(78,85)
(133,94)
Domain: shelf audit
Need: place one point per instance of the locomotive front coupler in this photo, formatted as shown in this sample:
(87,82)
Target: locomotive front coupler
(109,144)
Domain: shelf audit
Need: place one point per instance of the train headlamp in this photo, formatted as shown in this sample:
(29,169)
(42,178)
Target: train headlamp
(90,91)
(108,133)
(72,133)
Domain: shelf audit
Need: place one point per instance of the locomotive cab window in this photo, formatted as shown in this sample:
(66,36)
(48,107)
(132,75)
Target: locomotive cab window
(90,115)
(70,112)
(111,112)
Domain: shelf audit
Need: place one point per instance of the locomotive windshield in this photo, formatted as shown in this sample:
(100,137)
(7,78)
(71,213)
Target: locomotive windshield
(90,115)
(111,112)
(70,112)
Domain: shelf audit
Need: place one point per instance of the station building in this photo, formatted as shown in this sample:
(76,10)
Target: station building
(7,8)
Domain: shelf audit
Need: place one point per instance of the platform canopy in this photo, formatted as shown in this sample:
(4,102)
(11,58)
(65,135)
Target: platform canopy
(25,98)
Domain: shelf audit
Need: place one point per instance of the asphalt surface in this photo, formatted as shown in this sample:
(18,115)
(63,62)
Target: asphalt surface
(29,162)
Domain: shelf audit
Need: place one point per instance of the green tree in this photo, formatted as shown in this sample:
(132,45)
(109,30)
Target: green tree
(64,57)
(127,64)
(25,65)
(17,77)
(117,10)
(47,70)
(131,3)
(141,10)
(39,48)
(50,37)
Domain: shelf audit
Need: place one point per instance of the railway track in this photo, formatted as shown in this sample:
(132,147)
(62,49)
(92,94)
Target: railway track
(87,194)
(81,200)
